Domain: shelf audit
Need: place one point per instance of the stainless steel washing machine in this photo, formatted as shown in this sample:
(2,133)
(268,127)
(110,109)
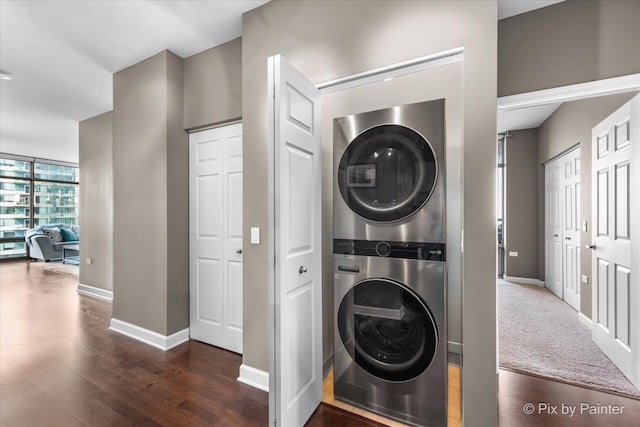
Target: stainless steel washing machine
(390,340)
(389,174)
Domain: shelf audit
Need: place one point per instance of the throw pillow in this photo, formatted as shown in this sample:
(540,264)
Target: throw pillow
(68,235)
(53,234)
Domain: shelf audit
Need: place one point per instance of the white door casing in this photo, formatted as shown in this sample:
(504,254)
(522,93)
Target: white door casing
(553,228)
(614,238)
(296,308)
(215,236)
(571,224)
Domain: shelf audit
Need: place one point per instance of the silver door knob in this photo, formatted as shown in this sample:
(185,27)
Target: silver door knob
(592,247)
(302,269)
(239,251)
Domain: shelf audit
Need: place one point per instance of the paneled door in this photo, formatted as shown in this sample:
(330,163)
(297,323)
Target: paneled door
(295,365)
(571,224)
(562,227)
(615,291)
(553,228)
(215,236)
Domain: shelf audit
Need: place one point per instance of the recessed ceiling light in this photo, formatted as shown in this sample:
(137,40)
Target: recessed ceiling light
(4,75)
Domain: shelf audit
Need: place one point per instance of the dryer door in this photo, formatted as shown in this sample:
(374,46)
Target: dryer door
(387,173)
(387,329)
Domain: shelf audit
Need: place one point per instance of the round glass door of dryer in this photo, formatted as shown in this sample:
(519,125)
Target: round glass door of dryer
(387,173)
(387,330)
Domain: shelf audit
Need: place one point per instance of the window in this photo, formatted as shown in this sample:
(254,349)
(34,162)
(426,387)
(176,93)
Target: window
(15,168)
(50,172)
(54,199)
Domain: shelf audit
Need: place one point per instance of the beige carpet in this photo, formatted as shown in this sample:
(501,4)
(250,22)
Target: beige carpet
(57,267)
(542,335)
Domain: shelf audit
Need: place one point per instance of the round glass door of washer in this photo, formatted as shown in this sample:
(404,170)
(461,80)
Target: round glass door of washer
(387,173)
(387,329)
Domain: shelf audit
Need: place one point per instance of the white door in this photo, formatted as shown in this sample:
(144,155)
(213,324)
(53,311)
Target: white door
(571,222)
(553,228)
(296,308)
(615,217)
(215,236)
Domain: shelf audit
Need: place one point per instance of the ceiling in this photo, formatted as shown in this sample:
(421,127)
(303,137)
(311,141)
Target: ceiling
(62,55)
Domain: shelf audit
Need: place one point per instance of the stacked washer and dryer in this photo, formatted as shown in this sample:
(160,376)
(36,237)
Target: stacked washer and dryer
(390,349)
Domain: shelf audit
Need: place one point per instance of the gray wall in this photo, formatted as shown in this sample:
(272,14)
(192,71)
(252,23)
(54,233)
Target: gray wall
(569,42)
(521,204)
(96,201)
(213,85)
(150,169)
(568,126)
(326,40)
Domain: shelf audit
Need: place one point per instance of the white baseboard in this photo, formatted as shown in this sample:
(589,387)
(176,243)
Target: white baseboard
(584,319)
(524,280)
(152,338)
(254,377)
(95,292)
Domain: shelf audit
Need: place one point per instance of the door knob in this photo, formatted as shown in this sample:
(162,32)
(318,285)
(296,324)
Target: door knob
(302,269)
(567,238)
(592,247)
(555,235)
(239,251)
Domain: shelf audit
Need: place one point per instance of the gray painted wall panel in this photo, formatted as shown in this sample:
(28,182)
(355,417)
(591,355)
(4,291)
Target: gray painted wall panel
(521,204)
(570,42)
(144,134)
(213,86)
(177,226)
(96,201)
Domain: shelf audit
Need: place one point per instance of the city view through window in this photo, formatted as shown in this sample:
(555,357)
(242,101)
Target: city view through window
(34,193)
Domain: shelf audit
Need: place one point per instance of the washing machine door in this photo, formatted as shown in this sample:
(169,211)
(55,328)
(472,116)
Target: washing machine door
(387,329)
(387,173)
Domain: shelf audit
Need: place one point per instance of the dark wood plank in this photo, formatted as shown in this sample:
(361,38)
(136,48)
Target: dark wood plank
(62,366)
(332,416)
(59,355)
(550,398)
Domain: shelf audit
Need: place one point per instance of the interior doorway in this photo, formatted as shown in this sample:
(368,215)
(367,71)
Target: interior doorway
(556,102)
(215,236)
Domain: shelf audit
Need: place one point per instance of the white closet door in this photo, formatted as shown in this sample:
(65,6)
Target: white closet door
(570,169)
(215,236)
(553,228)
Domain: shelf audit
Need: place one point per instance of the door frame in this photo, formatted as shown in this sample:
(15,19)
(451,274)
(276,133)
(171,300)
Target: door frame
(592,89)
(189,134)
(347,82)
(596,88)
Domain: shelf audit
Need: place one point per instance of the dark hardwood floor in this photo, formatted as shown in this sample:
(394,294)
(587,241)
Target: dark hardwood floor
(550,399)
(61,366)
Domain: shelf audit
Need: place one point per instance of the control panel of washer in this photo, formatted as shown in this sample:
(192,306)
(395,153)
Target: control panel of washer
(381,248)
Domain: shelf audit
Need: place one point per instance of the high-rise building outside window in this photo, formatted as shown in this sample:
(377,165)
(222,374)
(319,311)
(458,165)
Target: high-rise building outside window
(54,199)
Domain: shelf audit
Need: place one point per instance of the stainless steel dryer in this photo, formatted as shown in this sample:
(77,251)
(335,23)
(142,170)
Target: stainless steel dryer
(390,339)
(389,174)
